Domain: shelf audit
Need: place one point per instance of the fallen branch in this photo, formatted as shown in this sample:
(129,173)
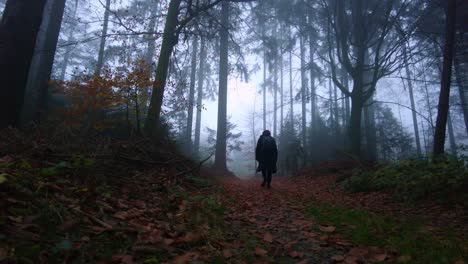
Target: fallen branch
(194,168)
(153,162)
(93,218)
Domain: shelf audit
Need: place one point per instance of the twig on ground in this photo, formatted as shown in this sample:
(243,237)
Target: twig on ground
(194,168)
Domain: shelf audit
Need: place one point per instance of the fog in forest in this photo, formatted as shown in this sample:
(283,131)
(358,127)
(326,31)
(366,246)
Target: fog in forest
(330,79)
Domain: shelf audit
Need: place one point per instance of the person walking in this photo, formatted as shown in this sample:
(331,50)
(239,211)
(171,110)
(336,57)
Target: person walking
(266,153)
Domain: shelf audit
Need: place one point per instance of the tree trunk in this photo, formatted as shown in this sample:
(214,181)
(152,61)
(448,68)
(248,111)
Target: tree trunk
(281,94)
(220,156)
(459,78)
(151,45)
(169,41)
(275,97)
(70,40)
(19,27)
(443,108)
(201,78)
(291,94)
(192,94)
(37,88)
(313,90)
(150,51)
(303,92)
(371,135)
(264,78)
(355,120)
(453,144)
(413,105)
(102,45)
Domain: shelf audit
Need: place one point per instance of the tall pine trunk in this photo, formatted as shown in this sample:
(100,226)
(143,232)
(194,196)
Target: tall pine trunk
(413,105)
(220,156)
(453,144)
(191,102)
(444,96)
(70,40)
(150,51)
(281,93)
(152,121)
(291,93)
(303,92)
(19,27)
(313,89)
(264,90)
(460,48)
(275,96)
(37,88)
(102,45)
(201,78)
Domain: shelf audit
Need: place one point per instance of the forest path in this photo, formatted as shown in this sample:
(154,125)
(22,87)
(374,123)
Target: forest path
(274,227)
(311,220)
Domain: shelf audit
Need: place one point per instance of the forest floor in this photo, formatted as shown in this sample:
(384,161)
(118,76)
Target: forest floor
(133,206)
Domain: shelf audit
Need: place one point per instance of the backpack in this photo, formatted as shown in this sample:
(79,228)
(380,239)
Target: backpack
(268,146)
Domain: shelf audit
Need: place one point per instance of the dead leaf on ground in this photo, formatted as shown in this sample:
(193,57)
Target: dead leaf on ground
(260,252)
(338,258)
(296,254)
(378,257)
(227,253)
(191,237)
(327,229)
(404,259)
(124,259)
(351,260)
(268,237)
(185,258)
(359,252)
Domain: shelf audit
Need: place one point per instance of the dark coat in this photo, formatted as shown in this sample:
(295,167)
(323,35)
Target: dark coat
(266,160)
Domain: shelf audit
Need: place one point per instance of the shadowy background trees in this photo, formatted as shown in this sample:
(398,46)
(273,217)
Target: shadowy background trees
(361,79)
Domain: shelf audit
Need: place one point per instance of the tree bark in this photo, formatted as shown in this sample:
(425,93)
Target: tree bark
(313,90)
(264,77)
(355,120)
(70,40)
(102,45)
(275,96)
(150,51)
(220,156)
(458,76)
(303,92)
(201,78)
(291,94)
(169,41)
(281,93)
(191,101)
(37,88)
(444,96)
(453,144)
(371,134)
(413,105)
(19,27)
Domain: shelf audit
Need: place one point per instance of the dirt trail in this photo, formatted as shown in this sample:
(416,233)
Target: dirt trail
(272,225)
(276,225)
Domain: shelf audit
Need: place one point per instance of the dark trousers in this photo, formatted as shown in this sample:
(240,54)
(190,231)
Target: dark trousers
(267,173)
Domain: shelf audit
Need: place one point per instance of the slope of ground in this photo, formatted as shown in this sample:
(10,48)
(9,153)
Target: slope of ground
(125,202)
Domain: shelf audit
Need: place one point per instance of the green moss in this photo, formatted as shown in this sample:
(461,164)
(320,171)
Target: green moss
(406,236)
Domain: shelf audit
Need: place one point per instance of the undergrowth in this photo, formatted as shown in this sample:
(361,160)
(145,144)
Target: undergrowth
(408,237)
(445,180)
